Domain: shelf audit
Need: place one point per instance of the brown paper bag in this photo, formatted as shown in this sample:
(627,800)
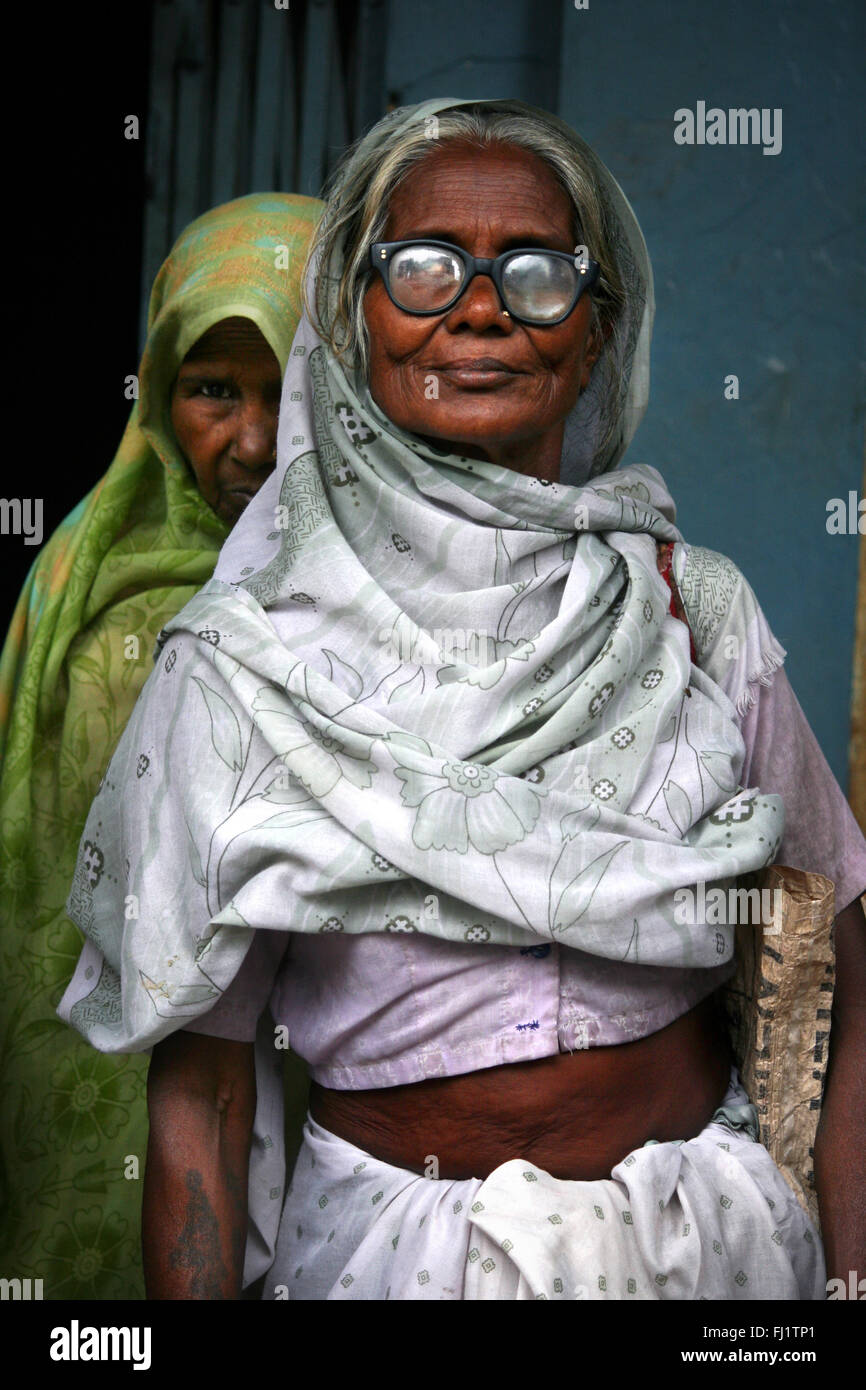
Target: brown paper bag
(778,1011)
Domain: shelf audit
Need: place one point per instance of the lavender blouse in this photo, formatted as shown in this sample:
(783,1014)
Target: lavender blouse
(392,1008)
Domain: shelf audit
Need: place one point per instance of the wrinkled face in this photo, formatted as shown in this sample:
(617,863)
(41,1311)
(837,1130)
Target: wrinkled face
(224,409)
(471,379)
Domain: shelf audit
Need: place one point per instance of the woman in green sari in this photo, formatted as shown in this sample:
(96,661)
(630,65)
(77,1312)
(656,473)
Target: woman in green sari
(200,440)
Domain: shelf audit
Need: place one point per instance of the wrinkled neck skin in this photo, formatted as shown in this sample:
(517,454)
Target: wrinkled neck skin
(539,458)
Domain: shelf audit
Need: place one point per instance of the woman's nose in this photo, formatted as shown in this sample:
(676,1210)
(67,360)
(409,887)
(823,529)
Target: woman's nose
(255,440)
(479,307)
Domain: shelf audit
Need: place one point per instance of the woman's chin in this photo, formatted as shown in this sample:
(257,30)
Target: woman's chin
(231,506)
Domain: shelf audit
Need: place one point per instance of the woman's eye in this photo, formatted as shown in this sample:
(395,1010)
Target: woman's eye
(216,390)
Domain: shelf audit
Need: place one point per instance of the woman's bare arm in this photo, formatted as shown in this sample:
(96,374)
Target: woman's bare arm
(840,1145)
(201,1096)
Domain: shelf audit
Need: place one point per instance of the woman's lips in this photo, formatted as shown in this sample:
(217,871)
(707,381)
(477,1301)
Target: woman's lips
(478,372)
(239,497)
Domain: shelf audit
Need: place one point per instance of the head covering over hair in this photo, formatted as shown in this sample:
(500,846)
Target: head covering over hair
(132,553)
(420,688)
(608,412)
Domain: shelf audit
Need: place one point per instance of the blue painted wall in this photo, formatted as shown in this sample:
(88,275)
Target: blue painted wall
(758,260)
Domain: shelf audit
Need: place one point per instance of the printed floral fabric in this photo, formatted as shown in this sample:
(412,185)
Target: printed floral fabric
(423,689)
(76,657)
(286,734)
(709,1217)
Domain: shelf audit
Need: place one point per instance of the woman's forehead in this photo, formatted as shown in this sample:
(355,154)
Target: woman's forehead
(227,338)
(459,185)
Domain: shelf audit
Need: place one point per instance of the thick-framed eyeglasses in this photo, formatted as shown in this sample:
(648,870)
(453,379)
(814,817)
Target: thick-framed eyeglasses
(534,286)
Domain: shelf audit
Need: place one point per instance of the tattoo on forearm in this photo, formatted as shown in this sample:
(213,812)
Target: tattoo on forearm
(198,1246)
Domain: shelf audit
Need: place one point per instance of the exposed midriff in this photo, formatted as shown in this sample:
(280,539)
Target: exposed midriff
(574,1114)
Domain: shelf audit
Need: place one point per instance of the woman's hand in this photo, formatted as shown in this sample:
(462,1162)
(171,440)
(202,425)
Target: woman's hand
(201,1096)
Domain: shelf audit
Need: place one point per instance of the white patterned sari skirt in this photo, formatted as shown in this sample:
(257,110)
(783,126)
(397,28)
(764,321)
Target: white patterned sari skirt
(703,1218)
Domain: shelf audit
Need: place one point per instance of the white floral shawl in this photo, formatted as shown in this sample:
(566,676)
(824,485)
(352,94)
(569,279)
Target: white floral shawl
(425,689)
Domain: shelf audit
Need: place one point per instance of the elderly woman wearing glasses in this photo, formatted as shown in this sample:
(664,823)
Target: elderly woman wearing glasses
(419,773)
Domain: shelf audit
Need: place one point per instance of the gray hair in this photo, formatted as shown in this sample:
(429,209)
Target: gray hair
(358,200)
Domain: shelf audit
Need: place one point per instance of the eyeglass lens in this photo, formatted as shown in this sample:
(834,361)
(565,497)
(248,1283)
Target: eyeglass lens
(536,287)
(425,277)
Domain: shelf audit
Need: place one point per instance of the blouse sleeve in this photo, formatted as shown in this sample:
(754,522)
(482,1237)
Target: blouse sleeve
(783,757)
(236,1013)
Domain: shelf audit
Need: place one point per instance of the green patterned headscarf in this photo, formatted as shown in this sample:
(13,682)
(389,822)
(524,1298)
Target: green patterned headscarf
(79,648)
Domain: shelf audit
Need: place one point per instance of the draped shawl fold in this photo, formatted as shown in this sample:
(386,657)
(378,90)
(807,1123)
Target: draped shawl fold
(422,692)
